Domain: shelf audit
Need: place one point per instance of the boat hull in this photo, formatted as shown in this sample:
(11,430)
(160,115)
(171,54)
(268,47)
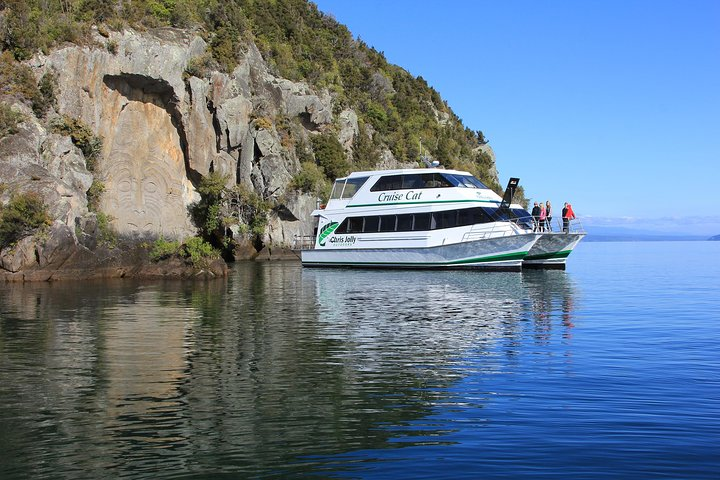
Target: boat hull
(551,250)
(499,253)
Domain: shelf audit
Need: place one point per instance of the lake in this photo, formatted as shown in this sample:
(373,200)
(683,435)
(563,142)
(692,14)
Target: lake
(610,369)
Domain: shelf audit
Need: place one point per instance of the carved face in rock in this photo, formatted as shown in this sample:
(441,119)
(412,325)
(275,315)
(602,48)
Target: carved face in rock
(145,172)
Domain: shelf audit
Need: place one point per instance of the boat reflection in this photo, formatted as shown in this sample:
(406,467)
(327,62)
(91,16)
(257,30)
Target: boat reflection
(450,308)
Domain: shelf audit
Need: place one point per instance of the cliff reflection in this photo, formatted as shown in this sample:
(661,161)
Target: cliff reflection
(266,371)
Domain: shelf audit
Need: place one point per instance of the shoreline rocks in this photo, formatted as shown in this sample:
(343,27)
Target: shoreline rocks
(27,262)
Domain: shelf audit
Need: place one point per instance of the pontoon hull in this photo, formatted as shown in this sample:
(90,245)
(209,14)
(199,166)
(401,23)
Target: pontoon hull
(500,253)
(551,250)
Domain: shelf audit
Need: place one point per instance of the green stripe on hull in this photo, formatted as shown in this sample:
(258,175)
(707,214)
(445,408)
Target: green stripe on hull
(548,256)
(492,258)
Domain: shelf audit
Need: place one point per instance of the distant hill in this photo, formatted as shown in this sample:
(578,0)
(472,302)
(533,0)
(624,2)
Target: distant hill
(715,238)
(620,234)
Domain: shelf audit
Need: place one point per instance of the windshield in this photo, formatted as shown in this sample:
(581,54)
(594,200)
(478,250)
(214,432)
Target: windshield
(465,181)
(345,188)
(337,189)
(352,185)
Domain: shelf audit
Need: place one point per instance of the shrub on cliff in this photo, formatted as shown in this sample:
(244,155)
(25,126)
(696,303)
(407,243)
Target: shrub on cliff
(195,250)
(248,210)
(311,179)
(82,136)
(200,66)
(9,120)
(206,212)
(329,154)
(17,81)
(21,217)
(366,154)
(220,208)
(163,249)
(199,252)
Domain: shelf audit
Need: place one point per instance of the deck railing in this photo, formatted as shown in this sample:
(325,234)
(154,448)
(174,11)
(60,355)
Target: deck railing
(556,226)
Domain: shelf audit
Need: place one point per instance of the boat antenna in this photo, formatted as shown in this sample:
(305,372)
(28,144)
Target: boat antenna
(426,159)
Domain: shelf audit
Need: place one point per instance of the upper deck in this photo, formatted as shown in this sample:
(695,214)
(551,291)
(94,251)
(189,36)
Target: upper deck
(407,187)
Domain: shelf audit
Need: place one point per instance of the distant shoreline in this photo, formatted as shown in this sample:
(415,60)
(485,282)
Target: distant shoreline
(645,238)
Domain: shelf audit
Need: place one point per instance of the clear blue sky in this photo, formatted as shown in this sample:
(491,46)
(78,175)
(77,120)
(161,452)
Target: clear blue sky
(613,105)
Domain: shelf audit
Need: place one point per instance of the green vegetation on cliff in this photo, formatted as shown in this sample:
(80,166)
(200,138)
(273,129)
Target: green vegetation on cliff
(395,109)
(9,120)
(21,217)
(222,209)
(194,251)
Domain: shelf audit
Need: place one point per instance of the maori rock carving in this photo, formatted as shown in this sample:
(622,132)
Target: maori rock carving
(146,187)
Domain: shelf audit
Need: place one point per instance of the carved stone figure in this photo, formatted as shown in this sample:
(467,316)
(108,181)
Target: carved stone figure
(144,174)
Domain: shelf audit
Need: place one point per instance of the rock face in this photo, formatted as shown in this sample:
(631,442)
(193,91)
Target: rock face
(162,131)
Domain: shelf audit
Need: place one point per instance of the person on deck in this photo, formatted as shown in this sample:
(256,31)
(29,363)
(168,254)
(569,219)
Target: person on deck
(567,214)
(548,215)
(543,217)
(535,215)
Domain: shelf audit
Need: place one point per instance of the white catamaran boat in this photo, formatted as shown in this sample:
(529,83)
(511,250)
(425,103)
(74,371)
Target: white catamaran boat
(423,218)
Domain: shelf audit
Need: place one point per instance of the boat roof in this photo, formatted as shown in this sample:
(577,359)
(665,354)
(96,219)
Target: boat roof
(403,171)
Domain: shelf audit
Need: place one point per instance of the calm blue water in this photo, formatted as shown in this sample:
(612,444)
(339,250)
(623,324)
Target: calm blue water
(608,370)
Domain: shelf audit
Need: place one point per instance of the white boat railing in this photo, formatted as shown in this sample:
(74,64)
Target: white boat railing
(480,231)
(556,226)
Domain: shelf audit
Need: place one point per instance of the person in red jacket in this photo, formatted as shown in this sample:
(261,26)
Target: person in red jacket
(567,215)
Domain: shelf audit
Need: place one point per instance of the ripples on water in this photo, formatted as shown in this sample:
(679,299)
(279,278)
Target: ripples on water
(608,370)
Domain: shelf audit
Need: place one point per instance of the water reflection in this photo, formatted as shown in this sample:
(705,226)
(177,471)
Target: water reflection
(275,371)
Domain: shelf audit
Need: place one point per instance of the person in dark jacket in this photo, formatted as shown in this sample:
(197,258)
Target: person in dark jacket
(536,216)
(567,215)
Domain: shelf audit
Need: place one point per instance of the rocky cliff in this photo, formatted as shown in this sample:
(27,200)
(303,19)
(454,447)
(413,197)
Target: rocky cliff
(163,130)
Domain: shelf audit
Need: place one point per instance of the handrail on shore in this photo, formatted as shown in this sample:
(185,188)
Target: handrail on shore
(303,242)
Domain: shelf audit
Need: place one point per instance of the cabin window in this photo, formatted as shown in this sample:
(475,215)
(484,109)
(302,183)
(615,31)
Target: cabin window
(466,217)
(494,213)
(411,181)
(387,223)
(371,224)
(446,219)
(435,180)
(405,222)
(476,215)
(422,222)
(388,182)
(355,225)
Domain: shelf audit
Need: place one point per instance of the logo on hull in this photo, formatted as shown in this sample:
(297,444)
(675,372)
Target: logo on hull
(326,232)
